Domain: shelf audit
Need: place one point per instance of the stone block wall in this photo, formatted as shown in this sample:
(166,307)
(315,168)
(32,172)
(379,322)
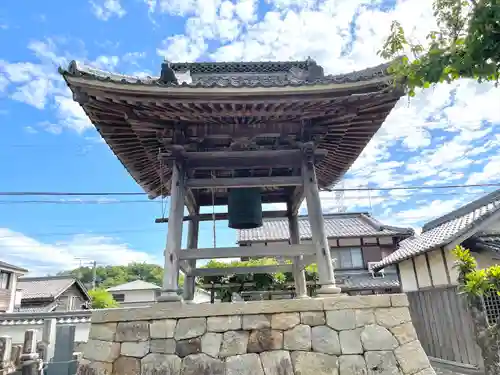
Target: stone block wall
(358,335)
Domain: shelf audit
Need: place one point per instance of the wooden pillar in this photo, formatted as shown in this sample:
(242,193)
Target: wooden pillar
(192,243)
(174,236)
(323,256)
(299,275)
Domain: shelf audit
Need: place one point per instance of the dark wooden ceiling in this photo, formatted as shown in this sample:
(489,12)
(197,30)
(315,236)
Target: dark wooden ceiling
(141,120)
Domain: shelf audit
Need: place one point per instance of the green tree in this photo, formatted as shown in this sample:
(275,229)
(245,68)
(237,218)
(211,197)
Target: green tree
(235,283)
(102,299)
(475,284)
(108,276)
(466,44)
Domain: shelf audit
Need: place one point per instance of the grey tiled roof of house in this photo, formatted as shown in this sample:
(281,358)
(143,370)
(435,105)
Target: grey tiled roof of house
(46,307)
(12,267)
(44,287)
(369,282)
(134,285)
(446,229)
(490,241)
(336,226)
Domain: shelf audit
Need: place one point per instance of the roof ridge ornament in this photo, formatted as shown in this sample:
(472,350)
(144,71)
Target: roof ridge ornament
(167,75)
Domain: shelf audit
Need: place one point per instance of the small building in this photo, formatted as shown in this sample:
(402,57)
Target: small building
(141,293)
(426,270)
(52,293)
(9,275)
(356,240)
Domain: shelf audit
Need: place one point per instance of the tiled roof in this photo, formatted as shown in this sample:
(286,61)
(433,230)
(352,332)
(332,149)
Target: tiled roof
(369,282)
(133,285)
(12,267)
(490,241)
(230,77)
(238,67)
(46,307)
(336,226)
(441,232)
(44,287)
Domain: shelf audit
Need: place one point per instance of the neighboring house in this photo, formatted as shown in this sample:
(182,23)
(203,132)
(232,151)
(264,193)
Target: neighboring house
(52,293)
(427,273)
(426,261)
(9,275)
(142,293)
(356,240)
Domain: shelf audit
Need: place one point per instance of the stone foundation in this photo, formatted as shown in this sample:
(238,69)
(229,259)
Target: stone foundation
(343,335)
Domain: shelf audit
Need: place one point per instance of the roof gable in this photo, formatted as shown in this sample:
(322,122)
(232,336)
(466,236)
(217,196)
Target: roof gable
(48,287)
(336,226)
(465,221)
(134,285)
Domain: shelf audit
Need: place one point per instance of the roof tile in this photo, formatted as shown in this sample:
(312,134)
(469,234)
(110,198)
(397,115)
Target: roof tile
(446,231)
(336,226)
(43,287)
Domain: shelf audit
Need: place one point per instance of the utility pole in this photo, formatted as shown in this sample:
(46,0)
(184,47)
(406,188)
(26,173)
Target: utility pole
(94,274)
(94,271)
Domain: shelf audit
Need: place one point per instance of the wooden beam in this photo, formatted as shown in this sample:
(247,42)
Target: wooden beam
(240,182)
(174,237)
(228,160)
(245,251)
(202,272)
(224,216)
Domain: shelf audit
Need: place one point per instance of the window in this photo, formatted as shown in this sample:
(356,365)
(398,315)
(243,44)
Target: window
(349,258)
(4,280)
(119,297)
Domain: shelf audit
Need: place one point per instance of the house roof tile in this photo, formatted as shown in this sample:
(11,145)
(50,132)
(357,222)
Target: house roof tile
(45,287)
(133,285)
(236,75)
(446,229)
(12,267)
(336,226)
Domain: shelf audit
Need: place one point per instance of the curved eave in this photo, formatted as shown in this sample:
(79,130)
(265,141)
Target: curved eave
(189,91)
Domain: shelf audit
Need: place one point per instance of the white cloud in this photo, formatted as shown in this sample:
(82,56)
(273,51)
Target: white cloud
(105,9)
(41,258)
(182,48)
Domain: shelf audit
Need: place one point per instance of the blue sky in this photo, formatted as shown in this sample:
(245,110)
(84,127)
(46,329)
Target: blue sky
(445,135)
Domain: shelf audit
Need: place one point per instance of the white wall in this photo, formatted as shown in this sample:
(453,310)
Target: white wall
(137,297)
(13,288)
(442,269)
(17,331)
(407,275)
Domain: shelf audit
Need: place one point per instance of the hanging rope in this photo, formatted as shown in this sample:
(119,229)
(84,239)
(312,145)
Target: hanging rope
(213,212)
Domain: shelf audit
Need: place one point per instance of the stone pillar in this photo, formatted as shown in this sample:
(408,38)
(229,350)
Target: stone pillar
(174,236)
(323,256)
(192,243)
(299,275)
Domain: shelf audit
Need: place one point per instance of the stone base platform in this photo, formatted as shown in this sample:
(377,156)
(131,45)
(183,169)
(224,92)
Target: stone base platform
(342,335)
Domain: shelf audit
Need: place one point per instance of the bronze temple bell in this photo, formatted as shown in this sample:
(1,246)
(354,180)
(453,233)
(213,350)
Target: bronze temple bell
(244,208)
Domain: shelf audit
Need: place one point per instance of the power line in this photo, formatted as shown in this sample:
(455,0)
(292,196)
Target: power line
(364,188)
(113,202)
